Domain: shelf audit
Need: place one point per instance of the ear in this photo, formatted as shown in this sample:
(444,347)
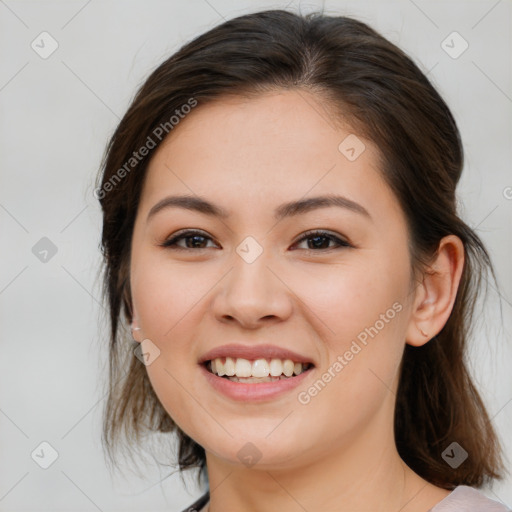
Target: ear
(435,295)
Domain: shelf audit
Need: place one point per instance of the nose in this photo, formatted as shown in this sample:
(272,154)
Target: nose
(252,294)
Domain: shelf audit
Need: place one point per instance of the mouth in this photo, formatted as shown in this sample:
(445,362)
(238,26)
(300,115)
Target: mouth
(247,371)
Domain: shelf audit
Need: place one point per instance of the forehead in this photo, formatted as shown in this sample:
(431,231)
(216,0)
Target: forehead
(281,145)
(270,127)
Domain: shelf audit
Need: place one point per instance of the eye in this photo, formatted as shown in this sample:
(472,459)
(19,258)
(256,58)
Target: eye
(321,240)
(197,240)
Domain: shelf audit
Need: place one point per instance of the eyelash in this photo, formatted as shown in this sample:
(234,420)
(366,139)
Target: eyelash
(171,242)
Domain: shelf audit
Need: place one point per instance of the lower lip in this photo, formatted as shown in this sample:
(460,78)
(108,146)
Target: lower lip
(257,391)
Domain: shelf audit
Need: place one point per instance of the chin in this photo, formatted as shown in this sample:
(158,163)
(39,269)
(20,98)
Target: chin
(255,449)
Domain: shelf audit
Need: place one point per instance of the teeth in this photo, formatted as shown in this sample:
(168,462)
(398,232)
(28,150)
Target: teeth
(220,367)
(276,367)
(288,367)
(248,380)
(229,367)
(243,368)
(261,369)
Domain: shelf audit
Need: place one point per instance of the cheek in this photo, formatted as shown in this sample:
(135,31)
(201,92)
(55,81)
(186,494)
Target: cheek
(360,317)
(167,295)
(350,299)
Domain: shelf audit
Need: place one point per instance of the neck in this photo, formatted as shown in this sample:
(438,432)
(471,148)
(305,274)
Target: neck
(366,473)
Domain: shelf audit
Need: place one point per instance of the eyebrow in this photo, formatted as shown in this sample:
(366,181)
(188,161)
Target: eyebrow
(290,209)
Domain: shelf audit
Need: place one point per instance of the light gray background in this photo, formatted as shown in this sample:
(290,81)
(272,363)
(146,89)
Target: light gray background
(56,116)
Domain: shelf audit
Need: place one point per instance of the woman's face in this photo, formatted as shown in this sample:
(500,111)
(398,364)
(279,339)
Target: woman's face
(252,281)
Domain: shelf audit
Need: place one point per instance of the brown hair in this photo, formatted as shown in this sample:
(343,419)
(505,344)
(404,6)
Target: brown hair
(380,91)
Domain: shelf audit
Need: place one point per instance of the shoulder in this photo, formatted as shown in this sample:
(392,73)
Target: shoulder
(469,499)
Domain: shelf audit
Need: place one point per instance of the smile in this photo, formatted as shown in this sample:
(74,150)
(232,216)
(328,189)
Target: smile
(238,369)
(251,388)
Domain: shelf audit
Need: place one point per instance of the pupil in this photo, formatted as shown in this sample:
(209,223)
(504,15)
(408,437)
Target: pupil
(319,245)
(195,240)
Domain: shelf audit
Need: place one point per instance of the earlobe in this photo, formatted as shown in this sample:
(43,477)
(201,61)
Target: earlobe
(435,295)
(134,327)
(420,329)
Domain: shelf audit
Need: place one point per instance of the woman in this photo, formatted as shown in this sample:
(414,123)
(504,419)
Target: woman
(280,231)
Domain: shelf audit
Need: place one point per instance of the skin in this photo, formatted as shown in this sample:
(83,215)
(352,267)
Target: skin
(250,156)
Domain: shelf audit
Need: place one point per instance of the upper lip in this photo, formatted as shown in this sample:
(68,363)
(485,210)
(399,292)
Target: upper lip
(254,352)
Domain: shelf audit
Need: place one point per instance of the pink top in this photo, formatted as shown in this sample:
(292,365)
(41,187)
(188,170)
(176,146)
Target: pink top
(468,499)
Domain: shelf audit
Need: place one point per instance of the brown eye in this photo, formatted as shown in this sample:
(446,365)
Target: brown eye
(317,241)
(320,240)
(193,240)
